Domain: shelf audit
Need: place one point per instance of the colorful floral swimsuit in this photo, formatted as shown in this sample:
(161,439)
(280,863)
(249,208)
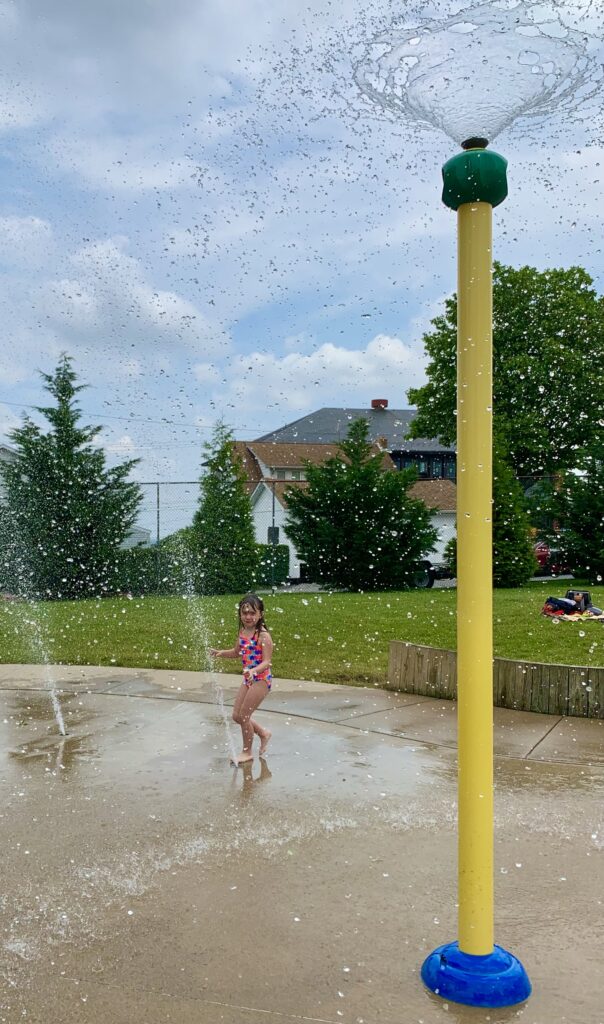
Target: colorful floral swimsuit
(251,655)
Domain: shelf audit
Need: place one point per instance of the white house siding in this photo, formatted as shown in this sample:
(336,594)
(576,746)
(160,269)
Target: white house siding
(6,455)
(136,536)
(263,518)
(444,523)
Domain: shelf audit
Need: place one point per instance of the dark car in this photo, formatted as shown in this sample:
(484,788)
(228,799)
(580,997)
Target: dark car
(550,561)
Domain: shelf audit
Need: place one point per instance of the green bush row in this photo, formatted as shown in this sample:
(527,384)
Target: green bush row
(162,570)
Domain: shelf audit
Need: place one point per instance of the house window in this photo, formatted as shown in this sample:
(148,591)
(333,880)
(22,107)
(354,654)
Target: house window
(296,474)
(279,474)
(437,469)
(450,469)
(423,468)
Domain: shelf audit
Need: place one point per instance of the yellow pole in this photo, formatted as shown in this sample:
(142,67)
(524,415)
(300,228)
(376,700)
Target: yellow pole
(474,578)
(473,970)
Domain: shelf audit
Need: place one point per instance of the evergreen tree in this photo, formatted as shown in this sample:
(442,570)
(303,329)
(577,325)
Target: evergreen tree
(355,525)
(65,512)
(222,539)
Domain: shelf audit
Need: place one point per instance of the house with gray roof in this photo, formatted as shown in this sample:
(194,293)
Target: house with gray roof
(272,467)
(7,454)
(387,427)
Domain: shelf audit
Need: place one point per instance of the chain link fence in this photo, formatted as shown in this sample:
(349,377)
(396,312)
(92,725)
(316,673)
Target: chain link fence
(168,506)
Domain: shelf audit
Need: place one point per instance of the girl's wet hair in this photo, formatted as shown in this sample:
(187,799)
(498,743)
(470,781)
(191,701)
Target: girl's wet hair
(255,602)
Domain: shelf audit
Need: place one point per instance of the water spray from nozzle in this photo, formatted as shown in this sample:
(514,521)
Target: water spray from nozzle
(427,73)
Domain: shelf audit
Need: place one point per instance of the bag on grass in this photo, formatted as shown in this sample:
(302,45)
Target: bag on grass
(558,606)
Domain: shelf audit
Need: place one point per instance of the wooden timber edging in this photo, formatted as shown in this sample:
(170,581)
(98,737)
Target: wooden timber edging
(520,685)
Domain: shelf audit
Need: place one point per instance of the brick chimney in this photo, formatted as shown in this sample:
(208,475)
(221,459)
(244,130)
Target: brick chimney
(379,403)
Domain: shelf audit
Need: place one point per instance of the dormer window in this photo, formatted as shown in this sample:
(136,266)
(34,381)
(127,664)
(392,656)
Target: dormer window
(288,474)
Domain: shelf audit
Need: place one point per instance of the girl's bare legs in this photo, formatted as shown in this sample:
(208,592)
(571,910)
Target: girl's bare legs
(264,734)
(248,699)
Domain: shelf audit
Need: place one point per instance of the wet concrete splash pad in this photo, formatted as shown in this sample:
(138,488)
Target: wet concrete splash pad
(145,880)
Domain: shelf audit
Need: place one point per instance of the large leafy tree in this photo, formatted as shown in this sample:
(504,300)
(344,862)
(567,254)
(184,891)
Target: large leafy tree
(65,513)
(222,538)
(578,504)
(355,524)
(514,559)
(548,367)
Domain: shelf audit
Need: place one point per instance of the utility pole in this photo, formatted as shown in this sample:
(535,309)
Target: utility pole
(274,542)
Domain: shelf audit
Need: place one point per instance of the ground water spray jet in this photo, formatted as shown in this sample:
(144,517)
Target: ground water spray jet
(56,706)
(471,76)
(34,621)
(200,631)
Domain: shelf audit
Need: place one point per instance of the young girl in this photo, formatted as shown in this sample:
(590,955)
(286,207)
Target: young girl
(255,647)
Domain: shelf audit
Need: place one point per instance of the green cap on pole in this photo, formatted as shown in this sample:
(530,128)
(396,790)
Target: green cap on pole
(475,176)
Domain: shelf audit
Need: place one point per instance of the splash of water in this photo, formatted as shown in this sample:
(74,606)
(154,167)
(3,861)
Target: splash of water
(34,619)
(56,705)
(199,630)
(36,622)
(473,74)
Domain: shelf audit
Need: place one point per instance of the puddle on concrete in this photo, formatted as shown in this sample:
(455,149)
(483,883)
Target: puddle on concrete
(57,754)
(140,794)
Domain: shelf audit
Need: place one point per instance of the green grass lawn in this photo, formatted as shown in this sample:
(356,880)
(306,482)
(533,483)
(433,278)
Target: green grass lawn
(328,637)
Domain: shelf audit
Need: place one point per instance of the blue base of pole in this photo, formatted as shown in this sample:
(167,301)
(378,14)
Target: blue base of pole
(496,979)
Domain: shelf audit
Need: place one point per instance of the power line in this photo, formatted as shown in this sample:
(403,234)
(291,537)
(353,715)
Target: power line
(109,416)
(134,419)
(151,447)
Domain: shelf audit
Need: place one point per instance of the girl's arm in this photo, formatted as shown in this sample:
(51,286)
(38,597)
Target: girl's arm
(267,653)
(231,652)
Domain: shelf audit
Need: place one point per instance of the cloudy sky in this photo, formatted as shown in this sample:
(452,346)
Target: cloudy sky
(198,204)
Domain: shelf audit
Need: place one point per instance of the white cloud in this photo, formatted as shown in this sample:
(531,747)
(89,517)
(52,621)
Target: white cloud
(206,373)
(67,301)
(122,449)
(8,420)
(331,375)
(25,242)
(113,163)
(111,299)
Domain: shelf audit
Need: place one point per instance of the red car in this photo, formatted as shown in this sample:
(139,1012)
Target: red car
(542,553)
(549,560)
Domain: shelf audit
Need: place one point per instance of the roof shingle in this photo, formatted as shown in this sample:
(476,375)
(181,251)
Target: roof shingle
(440,494)
(330,424)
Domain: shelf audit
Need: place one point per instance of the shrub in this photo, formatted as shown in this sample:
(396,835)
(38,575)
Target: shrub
(273,565)
(155,570)
(355,525)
